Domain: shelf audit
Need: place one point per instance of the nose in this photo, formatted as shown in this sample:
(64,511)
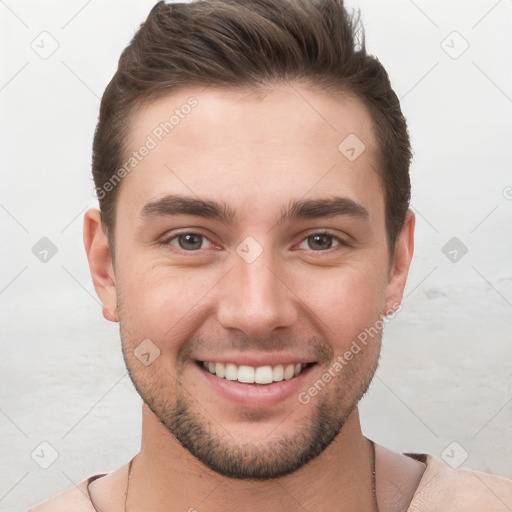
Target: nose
(257,299)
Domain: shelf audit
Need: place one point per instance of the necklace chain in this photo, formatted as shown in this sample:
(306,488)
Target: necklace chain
(374,478)
(128,484)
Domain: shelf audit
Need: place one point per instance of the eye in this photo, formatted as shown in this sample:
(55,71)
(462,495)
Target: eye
(321,241)
(187,241)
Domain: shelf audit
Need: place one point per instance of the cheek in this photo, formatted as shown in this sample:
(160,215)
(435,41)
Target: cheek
(346,301)
(156,303)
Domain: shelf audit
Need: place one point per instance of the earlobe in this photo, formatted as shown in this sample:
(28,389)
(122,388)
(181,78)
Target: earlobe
(400,265)
(100,263)
(109,316)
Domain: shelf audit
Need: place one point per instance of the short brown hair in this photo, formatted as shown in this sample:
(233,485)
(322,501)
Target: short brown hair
(247,44)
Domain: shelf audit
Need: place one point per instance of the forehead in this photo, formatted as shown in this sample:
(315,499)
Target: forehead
(287,140)
(230,116)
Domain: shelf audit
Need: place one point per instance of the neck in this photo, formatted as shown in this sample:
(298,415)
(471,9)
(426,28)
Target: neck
(164,473)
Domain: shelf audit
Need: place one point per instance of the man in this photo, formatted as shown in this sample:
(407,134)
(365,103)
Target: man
(251,163)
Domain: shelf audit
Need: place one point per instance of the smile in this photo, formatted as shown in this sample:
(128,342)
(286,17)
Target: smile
(254,375)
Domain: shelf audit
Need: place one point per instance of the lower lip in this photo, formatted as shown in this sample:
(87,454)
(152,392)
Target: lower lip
(254,396)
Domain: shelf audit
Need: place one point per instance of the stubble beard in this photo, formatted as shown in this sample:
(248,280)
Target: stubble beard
(206,439)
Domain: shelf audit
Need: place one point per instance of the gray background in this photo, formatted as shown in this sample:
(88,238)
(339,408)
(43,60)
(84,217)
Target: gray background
(445,373)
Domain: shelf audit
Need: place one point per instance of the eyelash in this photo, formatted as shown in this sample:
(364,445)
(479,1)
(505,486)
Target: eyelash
(167,242)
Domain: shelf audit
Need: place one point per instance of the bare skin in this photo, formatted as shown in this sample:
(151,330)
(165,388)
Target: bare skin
(397,480)
(302,298)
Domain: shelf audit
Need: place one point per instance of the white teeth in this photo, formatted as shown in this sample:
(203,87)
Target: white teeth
(251,375)
(289,372)
(278,373)
(246,374)
(219,369)
(231,372)
(263,375)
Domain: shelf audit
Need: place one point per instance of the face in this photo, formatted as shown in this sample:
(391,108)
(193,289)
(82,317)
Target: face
(249,246)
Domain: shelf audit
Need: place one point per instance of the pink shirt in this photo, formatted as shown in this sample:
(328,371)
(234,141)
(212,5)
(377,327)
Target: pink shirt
(441,489)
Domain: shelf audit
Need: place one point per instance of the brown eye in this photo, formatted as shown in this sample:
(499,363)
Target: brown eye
(188,241)
(321,242)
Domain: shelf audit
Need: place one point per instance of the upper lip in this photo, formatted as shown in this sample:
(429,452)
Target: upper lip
(257,360)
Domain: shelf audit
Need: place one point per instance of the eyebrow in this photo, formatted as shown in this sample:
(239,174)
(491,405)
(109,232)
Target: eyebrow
(298,209)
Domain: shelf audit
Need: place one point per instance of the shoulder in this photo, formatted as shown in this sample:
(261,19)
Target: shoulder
(105,489)
(443,488)
(74,499)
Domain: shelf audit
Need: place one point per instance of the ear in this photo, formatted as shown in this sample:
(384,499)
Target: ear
(100,263)
(400,264)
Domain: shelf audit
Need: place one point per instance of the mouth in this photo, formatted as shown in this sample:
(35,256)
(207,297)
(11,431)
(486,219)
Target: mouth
(260,375)
(256,384)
